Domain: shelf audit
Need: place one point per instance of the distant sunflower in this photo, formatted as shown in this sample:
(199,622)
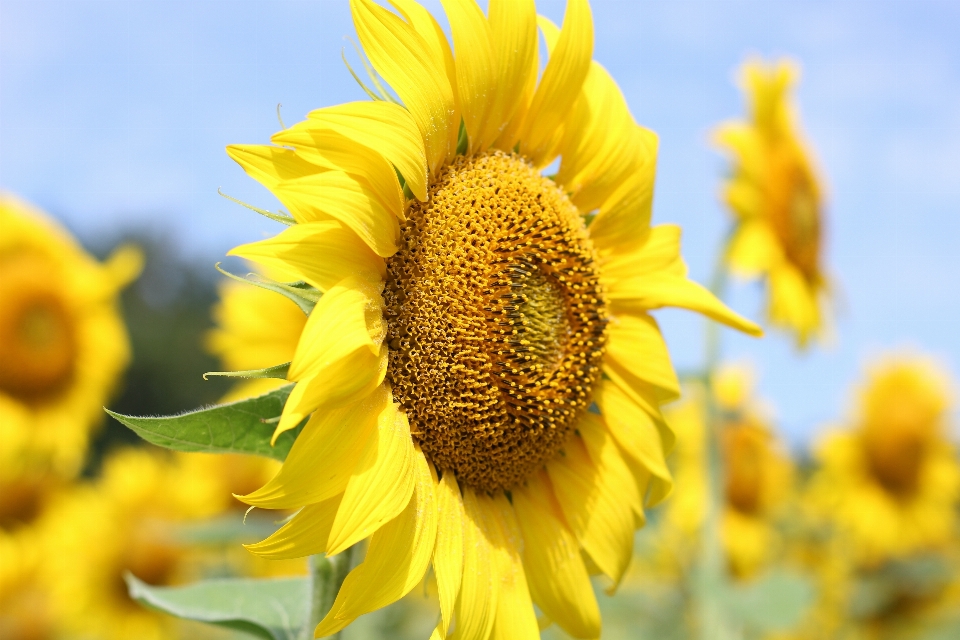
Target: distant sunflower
(63,343)
(255,329)
(757,476)
(777,199)
(472,312)
(892,482)
(126,521)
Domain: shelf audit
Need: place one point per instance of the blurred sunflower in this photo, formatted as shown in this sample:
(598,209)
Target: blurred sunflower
(776,197)
(63,343)
(255,329)
(131,513)
(892,483)
(758,475)
(473,309)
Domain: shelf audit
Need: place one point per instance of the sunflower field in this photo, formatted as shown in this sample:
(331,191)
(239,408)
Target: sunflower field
(557,319)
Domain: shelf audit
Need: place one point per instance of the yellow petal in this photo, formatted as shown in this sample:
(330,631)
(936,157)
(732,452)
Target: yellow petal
(382,485)
(270,165)
(623,221)
(476,67)
(331,151)
(448,554)
(320,253)
(397,557)
(657,290)
(606,455)
(660,252)
(386,128)
(337,436)
(754,249)
(341,356)
(593,505)
(477,605)
(515,618)
(513,34)
(602,144)
(636,344)
(559,582)
(404,59)
(306,534)
(560,85)
(348,379)
(344,197)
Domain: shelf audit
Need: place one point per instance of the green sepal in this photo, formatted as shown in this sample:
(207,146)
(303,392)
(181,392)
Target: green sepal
(271,609)
(276,217)
(278,372)
(245,426)
(300,293)
(463,141)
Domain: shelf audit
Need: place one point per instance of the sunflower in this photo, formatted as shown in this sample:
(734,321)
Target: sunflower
(132,512)
(892,482)
(255,329)
(63,343)
(776,198)
(757,476)
(473,312)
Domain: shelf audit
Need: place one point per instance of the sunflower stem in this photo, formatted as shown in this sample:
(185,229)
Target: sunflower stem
(326,578)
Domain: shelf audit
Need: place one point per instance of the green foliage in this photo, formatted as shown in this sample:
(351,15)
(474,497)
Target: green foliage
(775,602)
(272,609)
(245,426)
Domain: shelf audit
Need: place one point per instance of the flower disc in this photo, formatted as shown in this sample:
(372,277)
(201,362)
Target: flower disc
(496,320)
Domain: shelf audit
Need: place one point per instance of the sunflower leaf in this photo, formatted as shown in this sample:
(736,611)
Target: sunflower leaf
(245,426)
(272,609)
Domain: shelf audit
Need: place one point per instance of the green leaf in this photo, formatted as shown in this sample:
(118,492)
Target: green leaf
(775,602)
(245,426)
(278,372)
(272,609)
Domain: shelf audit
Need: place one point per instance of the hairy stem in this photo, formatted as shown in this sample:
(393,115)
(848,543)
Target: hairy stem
(326,577)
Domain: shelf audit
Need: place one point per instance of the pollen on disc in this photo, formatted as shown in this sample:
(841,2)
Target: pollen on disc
(496,320)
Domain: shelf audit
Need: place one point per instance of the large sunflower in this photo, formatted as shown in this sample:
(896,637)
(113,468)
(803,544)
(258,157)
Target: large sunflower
(63,343)
(473,310)
(776,197)
(892,483)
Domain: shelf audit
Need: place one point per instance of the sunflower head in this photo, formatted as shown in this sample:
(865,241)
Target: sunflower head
(903,408)
(482,370)
(776,198)
(62,341)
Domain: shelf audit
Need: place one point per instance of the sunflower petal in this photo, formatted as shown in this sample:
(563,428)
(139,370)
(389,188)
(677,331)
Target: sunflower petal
(753,250)
(270,165)
(331,151)
(337,370)
(660,252)
(476,66)
(636,344)
(397,558)
(604,452)
(305,534)
(513,34)
(381,487)
(448,554)
(386,128)
(320,253)
(593,506)
(657,290)
(515,618)
(340,195)
(602,144)
(560,85)
(404,59)
(623,221)
(338,437)
(479,591)
(559,582)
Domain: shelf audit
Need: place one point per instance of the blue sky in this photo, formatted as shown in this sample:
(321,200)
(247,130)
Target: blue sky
(116,113)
